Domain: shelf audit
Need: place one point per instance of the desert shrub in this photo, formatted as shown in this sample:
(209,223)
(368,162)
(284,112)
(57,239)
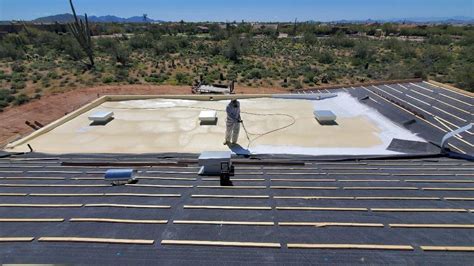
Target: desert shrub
(19,85)
(440,40)
(108,79)
(326,57)
(21,99)
(183,78)
(10,50)
(6,96)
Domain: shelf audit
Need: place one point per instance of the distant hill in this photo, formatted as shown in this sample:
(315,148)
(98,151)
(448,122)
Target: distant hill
(63,18)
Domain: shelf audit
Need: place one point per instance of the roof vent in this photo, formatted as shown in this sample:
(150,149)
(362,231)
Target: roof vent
(213,163)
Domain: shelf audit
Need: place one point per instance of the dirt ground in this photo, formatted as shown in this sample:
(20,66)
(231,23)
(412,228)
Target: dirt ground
(52,107)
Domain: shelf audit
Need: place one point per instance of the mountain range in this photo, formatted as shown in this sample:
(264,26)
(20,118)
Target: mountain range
(63,18)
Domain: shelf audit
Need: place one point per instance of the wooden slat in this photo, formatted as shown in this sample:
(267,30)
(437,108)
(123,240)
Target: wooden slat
(326,224)
(108,220)
(303,179)
(368,180)
(463,226)
(234,187)
(168,178)
(448,248)
(438,181)
(350,246)
(227,207)
(297,208)
(224,222)
(32,178)
(160,186)
(129,206)
(221,243)
(231,196)
(16,239)
(380,188)
(53,185)
(13,194)
(235,179)
(313,197)
(66,194)
(416,210)
(397,198)
(449,188)
(315,188)
(32,220)
(142,195)
(41,205)
(458,198)
(97,240)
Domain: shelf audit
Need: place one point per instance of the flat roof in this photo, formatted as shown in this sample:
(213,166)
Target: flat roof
(271,126)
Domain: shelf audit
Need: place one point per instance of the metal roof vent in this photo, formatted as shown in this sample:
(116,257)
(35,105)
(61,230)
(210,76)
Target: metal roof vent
(213,163)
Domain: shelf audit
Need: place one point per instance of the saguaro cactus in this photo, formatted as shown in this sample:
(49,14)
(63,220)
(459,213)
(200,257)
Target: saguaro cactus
(82,33)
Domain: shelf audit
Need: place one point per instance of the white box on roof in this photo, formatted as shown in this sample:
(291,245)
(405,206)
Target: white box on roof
(324,115)
(211,162)
(101,116)
(208,116)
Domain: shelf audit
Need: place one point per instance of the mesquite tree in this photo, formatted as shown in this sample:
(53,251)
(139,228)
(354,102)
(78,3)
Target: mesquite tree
(82,33)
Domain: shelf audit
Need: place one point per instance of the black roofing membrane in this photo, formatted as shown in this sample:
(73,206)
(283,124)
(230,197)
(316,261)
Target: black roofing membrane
(87,253)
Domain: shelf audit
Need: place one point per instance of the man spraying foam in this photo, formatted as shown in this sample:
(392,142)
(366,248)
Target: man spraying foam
(233,122)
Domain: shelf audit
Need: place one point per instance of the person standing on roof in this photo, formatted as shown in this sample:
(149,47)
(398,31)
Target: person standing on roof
(233,122)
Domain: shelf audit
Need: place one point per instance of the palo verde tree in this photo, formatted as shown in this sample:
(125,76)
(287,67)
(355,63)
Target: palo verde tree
(82,33)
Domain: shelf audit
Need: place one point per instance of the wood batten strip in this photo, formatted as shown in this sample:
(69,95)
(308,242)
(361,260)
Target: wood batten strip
(141,195)
(449,188)
(53,185)
(313,197)
(159,186)
(167,178)
(221,243)
(327,224)
(97,240)
(397,198)
(297,208)
(302,180)
(107,205)
(263,208)
(66,195)
(16,239)
(247,223)
(416,210)
(380,188)
(11,205)
(448,248)
(438,181)
(460,226)
(108,220)
(350,246)
(233,187)
(231,196)
(31,220)
(13,194)
(32,178)
(315,188)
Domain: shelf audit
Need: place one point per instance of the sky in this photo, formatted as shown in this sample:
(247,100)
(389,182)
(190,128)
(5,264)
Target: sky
(248,10)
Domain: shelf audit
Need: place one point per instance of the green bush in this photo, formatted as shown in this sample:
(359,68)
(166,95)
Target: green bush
(21,99)
(326,57)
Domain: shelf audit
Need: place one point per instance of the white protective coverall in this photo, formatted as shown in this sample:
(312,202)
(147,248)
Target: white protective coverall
(232,122)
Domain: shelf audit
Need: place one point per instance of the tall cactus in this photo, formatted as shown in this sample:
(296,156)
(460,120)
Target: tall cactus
(82,33)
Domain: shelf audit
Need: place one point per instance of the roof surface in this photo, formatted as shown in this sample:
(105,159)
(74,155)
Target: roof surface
(350,202)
